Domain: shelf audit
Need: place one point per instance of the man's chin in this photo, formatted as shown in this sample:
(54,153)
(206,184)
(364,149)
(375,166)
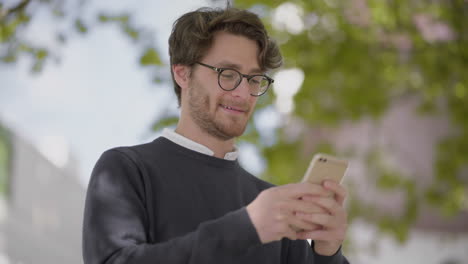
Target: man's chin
(228,133)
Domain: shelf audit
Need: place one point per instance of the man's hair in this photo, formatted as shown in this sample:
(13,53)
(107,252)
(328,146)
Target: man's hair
(192,36)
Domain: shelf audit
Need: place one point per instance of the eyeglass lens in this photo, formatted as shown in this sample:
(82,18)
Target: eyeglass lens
(230,79)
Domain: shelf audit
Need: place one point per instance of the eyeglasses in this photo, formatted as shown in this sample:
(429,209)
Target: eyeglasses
(229,79)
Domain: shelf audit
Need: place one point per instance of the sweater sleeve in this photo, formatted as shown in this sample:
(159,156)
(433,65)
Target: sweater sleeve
(115,227)
(301,252)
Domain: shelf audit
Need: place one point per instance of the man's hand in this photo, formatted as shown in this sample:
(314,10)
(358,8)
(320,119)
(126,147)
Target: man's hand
(274,213)
(333,221)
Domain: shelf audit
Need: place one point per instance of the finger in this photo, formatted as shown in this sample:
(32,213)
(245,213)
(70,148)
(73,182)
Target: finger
(316,235)
(300,225)
(289,232)
(309,197)
(312,200)
(297,190)
(329,205)
(325,220)
(323,235)
(295,205)
(338,189)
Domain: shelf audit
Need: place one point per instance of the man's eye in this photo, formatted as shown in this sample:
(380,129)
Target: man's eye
(227,75)
(257,80)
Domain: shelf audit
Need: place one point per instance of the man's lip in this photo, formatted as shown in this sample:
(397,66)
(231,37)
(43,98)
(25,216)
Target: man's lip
(232,108)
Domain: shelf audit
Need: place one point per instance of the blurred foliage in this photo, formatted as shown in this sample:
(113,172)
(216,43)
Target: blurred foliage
(358,57)
(165,122)
(72,19)
(150,57)
(5,158)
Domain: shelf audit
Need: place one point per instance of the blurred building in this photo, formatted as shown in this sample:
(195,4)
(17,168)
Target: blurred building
(41,206)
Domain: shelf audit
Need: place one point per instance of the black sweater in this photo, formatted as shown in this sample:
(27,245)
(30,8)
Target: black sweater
(163,203)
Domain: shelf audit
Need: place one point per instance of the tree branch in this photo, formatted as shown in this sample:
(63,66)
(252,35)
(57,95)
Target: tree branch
(20,6)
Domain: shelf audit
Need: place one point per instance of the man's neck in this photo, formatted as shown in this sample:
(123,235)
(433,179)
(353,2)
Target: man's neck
(195,133)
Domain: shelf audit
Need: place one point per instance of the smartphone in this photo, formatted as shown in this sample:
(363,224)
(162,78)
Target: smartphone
(325,167)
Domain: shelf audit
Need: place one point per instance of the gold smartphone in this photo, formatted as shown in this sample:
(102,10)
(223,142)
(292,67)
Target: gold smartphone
(325,167)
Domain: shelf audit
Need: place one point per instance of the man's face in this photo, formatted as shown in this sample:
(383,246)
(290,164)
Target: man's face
(223,114)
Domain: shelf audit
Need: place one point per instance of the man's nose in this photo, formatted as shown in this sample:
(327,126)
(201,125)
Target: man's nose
(243,89)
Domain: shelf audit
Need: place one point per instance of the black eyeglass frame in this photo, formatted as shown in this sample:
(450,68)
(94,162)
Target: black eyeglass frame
(248,77)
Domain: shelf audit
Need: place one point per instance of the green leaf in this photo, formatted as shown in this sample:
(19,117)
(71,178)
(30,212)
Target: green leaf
(165,122)
(37,67)
(124,18)
(5,159)
(389,181)
(103,18)
(157,79)
(59,13)
(41,54)
(150,57)
(131,32)
(8,29)
(10,58)
(80,26)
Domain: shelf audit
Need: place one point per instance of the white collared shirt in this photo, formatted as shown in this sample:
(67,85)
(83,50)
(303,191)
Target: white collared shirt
(190,144)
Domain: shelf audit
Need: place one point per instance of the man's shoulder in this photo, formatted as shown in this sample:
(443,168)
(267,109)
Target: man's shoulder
(141,152)
(260,183)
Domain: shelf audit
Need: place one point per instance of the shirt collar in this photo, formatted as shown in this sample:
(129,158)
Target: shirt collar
(190,144)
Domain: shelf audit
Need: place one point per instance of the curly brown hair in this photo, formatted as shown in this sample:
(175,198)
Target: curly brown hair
(192,35)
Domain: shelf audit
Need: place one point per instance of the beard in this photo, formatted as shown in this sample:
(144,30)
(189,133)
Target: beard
(216,124)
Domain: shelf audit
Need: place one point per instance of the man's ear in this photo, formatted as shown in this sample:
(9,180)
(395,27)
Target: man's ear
(181,75)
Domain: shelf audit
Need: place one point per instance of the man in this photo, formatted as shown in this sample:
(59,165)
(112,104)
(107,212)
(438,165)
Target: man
(183,198)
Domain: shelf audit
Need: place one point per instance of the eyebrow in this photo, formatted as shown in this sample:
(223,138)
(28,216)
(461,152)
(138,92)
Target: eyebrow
(226,64)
